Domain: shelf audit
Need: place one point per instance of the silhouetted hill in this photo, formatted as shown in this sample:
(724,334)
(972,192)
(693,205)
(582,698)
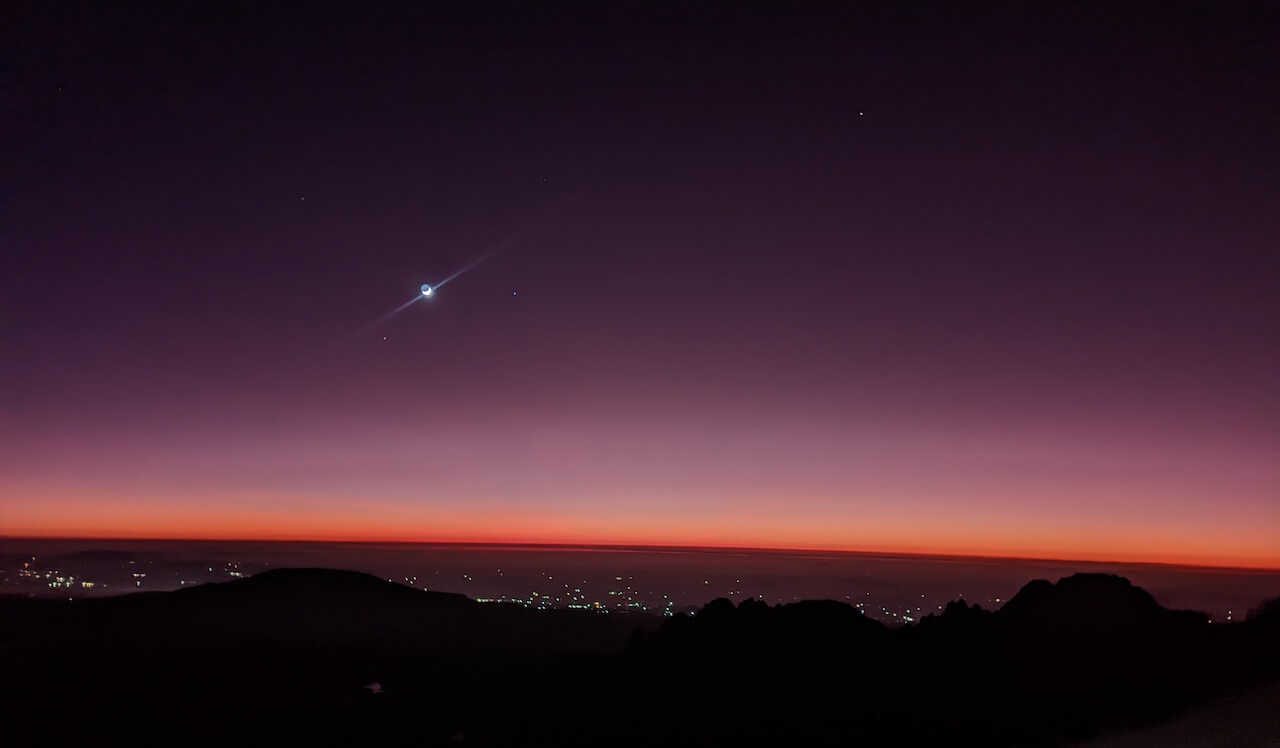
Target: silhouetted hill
(295,600)
(1082,603)
(325,605)
(1268,613)
(286,656)
(321,585)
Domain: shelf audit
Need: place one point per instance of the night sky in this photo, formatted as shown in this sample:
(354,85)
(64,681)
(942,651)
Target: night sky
(994,279)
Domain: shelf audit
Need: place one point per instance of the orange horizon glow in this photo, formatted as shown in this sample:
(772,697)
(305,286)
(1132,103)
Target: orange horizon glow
(910,501)
(540,533)
(1196,562)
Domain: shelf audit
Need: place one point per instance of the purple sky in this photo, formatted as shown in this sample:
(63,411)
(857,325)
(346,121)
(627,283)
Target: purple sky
(1000,279)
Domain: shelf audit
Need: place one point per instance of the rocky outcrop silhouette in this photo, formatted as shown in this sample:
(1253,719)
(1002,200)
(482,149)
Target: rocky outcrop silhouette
(1082,603)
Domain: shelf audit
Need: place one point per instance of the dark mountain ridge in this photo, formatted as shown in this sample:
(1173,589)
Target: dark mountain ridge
(288,654)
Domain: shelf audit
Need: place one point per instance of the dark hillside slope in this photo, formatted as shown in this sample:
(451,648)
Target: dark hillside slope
(287,646)
(286,657)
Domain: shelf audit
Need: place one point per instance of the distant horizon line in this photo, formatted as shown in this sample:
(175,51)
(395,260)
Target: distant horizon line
(533,545)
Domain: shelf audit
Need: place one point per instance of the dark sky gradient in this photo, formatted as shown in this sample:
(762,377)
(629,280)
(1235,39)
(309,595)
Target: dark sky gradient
(907,277)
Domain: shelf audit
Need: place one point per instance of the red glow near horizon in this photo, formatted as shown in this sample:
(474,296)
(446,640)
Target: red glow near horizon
(701,477)
(697,478)
(1072,540)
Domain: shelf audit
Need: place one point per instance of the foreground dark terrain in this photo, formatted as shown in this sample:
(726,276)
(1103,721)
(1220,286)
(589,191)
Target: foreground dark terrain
(330,657)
